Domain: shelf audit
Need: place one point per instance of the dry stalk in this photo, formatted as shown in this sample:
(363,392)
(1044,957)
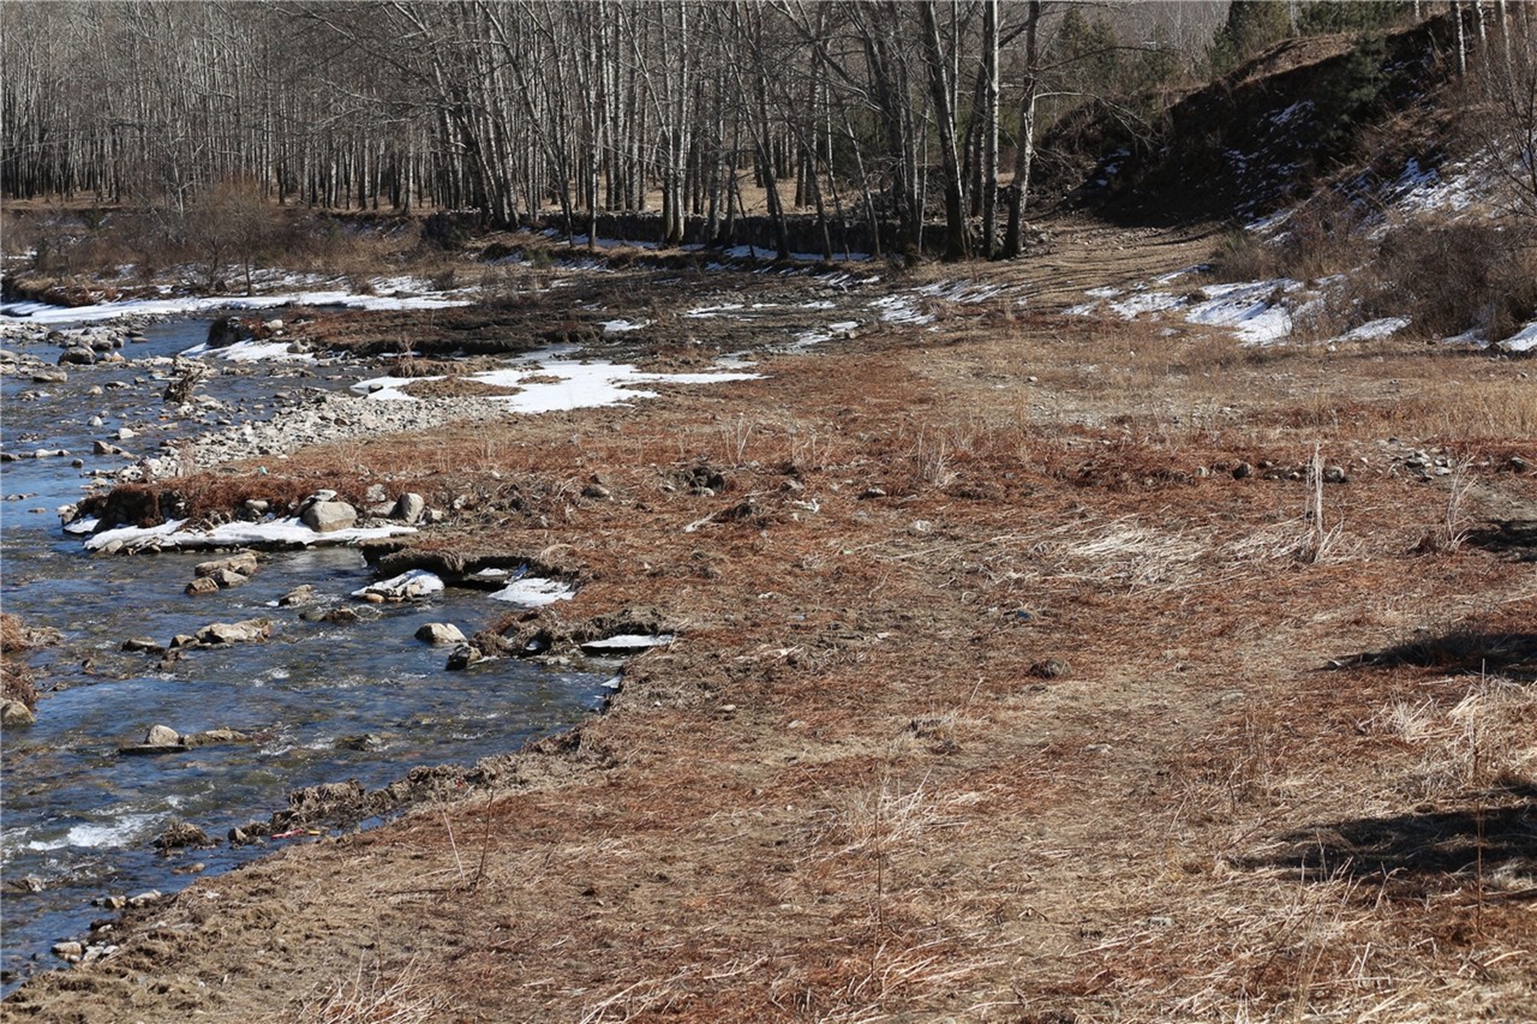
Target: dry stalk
(734,438)
(1454,525)
(367,997)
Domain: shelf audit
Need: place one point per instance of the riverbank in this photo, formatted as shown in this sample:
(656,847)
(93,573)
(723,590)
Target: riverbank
(1029,666)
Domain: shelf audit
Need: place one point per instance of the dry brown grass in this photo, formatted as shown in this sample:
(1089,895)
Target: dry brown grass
(844,795)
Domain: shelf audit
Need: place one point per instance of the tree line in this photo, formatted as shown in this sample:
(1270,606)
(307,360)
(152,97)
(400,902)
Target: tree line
(918,122)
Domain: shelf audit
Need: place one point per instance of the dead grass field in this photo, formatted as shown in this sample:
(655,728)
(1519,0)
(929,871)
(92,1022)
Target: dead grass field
(999,697)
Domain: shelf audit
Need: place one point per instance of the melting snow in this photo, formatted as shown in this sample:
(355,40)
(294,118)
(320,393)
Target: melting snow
(253,352)
(1376,329)
(558,385)
(534,592)
(274,532)
(1524,340)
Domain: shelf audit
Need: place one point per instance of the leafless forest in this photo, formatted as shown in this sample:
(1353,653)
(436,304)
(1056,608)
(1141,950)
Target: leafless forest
(879,113)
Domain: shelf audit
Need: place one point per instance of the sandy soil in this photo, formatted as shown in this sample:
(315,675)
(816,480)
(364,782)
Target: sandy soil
(1025,674)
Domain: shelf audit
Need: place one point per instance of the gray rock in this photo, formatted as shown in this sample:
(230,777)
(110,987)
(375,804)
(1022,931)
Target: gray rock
(70,951)
(162,736)
(409,508)
(209,737)
(229,578)
(46,376)
(463,657)
(143,645)
(14,713)
(329,516)
(247,631)
(203,585)
(301,595)
(1242,470)
(77,356)
(1051,668)
(242,562)
(376,494)
(440,633)
(126,434)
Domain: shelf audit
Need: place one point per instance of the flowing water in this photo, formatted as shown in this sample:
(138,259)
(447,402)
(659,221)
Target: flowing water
(322,702)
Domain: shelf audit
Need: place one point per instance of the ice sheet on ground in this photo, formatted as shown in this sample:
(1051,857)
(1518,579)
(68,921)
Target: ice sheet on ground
(278,531)
(253,352)
(43,313)
(623,326)
(534,592)
(1524,340)
(629,642)
(1372,329)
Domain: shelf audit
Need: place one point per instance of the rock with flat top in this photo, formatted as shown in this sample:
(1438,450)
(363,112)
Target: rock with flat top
(248,631)
(329,516)
(440,633)
(243,562)
(14,713)
(203,585)
(410,507)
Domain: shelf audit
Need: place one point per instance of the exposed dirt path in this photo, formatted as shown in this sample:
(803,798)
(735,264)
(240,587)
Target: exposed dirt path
(1000,696)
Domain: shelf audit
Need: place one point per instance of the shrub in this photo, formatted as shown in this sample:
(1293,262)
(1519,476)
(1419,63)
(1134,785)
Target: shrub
(1451,278)
(1243,256)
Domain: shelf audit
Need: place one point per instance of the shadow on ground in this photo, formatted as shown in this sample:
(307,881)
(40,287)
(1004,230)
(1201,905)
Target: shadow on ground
(1501,835)
(1510,654)
(1514,537)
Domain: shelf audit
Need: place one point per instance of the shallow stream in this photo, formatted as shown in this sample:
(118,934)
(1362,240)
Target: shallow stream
(323,702)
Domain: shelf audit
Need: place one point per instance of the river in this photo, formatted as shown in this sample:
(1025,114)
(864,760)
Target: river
(323,702)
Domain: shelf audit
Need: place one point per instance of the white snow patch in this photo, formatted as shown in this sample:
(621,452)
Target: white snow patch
(253,352)
(1524,340)
(1374,329)
(534,592)
(702,312)
(1146,302)
(278,531)
(1251,308)
(1421,189)
(558,385)
(629,642)
(42,313)
(900,309)
(623,326)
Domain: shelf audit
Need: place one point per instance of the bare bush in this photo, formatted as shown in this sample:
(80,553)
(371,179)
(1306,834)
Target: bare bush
(1450,279)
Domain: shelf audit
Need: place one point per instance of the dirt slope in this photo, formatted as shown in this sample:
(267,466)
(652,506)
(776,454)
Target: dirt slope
(1024,675)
